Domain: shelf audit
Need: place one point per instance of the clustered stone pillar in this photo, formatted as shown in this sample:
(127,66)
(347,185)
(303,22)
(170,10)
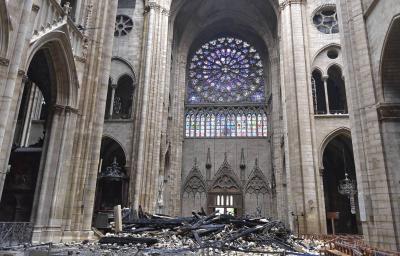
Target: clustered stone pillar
(153,82)
(12,83)
(300,165)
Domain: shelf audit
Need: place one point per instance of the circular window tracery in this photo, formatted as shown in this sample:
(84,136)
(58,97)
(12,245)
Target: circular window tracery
(326,20)
(123,25)
(226,70)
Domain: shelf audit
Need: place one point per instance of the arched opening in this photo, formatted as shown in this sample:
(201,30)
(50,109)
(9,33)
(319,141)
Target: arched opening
(112,183)
(318,91)
(107,113)
(29,139)
(123,98)
(336,91)
(120,98)
(341,207)
(391,64)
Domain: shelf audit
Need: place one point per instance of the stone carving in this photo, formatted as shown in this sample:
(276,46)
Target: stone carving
(225,178)
(194,182)
(257,183)
(4,62)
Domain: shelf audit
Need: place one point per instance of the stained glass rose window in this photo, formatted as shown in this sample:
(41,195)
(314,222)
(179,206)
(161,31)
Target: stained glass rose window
(226,70)
(326,20)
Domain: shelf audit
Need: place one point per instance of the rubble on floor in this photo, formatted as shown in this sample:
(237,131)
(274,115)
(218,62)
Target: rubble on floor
(163,235)
(197,235)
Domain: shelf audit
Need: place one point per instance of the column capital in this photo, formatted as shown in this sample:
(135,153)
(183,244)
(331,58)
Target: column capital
(284,3)
(157,7)
(114,86)
(325,78)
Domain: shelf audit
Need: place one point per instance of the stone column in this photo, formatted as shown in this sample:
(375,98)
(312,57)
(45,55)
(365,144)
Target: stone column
(325,79)
(113,87)
(377,199)
(8,87)
(153,83)
(297,108)
(53,176)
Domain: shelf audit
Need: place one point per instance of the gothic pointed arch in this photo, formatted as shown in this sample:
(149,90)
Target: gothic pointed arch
(58,48)
(4,29)
(225,179)
(257,182)
(194,182)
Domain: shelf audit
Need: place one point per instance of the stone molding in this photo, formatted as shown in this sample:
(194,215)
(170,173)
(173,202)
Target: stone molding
(61,108)
(286,3)
(388,112)
(4,62)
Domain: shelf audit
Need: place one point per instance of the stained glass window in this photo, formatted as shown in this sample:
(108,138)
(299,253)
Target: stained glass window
(231,126)
(187,129)
(202,125)
(326,20)
(192,125)
(264,118)
(259,125)
(226,122)
(226,70)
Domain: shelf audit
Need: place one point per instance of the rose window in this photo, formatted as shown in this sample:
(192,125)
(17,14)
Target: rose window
(226,70)
(123,25)
(326,20)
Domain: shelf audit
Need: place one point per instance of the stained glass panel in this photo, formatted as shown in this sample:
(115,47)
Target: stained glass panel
(218,126)
(265,125)
(226,122)
(198,121)
(248,123)
(192,125)
(225,69)
(259,125)
(231,126)
(202,125)
(212,134)
(187,123)
(253,125)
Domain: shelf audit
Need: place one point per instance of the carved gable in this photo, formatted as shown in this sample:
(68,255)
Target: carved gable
(225,178)
(257,183)
(194,182)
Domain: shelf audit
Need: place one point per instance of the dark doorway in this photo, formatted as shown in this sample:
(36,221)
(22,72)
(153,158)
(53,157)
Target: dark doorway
(336,91)
(20,185)
(338,160)
(318,93)
(112,182)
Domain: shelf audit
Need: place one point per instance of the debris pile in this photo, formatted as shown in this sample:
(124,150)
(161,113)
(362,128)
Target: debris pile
(164,235)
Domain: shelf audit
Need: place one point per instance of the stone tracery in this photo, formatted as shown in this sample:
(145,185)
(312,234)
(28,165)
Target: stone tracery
(226,69)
